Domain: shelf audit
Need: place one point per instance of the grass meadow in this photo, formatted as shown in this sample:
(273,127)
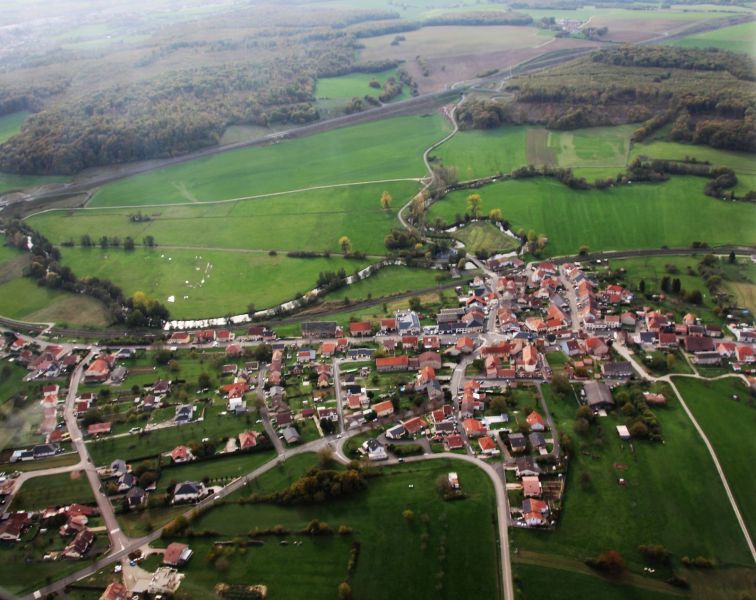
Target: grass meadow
(346,87)
(484,236)
(10,124)
(449,549)
(668,497)
(386,149)
(53,490)
(730,425)
(737,38)
(387,282)
(631,216)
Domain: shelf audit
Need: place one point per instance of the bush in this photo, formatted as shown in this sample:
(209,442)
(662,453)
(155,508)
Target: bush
(655,553)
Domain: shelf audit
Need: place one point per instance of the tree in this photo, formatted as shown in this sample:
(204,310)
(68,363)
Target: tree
(473,205)
(638,430)
(345,591)
(104,243)
(386,200)
(583,250)
(327,426)
(408,515)
(642,286)
(561,384)
(345,244)
(665,284)
(415,303)
(676,285)
(610,562)
(148,241)
(251,309)
(732,259)
(671,361)
(495,214)
(204,382)
(585,479)
(86,241)
(128,244)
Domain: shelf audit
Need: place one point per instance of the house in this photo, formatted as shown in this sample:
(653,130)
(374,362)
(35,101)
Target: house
(188,491)
(595,346)
(98,428)
(45,450)
(181,454)
(118,467)
(537,440)
(184,413)
(623,432)
(707,358)
(667,340)
(12,527)
(744,354)
(465,345)
(429,360)
(119,374)
(233,350)
(329,413)
(291,435)
(135,497)
(176,554)
(328,349)
(180,338)
(115,591)
(388,326)
(205,336)
(306,356)
(375,450)
(536,422)
(696,343)
(617,370)
(97,372)
(531,486)
(654,399)
(525,465)
(224,336)
(474,428)
(320,329)
(408,323)
(726,349)
(247,439)
(80,544)
(383,409)
(598,395)
(360,329)
(392,364)
(454,442)
(126,482)
(360,354)
(396,433)
(534,512)
(488,446)
(414,425)
(517,442)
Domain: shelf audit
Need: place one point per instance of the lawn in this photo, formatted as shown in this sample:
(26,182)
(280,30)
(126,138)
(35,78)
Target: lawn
(53,490)
(730,426)
(10,124)
(668,498)
(206,283)
(387,282)
(450,563)
(737,38)
(312,220)
(484,237)
(385,149)
(346,87)
(630,216)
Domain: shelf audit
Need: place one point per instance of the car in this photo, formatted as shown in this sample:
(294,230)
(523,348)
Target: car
(338,436)
(216,497)
(117,569)
(132,563)
(401,460)
(258,421)
(135,430)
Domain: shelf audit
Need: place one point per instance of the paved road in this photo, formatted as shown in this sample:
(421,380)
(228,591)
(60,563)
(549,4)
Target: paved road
(265,415)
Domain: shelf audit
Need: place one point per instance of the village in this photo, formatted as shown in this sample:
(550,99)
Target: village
(168,425)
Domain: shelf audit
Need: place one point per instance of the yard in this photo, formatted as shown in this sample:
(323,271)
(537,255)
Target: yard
(53,490)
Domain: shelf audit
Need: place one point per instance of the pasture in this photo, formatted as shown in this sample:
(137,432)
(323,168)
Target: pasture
(346,87)
(453,544)
(201,283)
(385,149)
(650,508)
(737,38)
(484,237)
(53,490)
(10,124)
(630,216)
(387,282)
(730,425)
(312,220)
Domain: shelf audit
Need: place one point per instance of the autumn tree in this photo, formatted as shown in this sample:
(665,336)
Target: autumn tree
(386,200)
(345,243)
(495,214)
(473,205)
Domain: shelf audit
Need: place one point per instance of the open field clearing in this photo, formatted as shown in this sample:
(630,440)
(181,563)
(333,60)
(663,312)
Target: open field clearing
(10,124)
(738,38)
(313,220)
(632,216)
(386,149)
(451,42)
(480,152)
(344,88)
(53,490)
(386,282)
(599,514)
(741,283)
(592,152)
(484,237)
(454,546)
(742,163)
(730,425)
(206,283)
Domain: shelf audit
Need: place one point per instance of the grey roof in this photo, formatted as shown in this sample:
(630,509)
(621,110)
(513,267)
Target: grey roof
(597,393)
(373,445)
(536,439)
(291,435)
(617,369)
(319,328)
(187,487)
(526,463)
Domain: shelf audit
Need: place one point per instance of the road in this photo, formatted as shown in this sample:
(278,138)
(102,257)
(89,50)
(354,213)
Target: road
(264,414)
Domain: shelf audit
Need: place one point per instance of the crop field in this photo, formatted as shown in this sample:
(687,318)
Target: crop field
(387,541)
(313,220)
(631,216)
(742,163)
(592,152)
(730,425)
(387,282)
(738,38)
(53,490)
(484,237)
(200,283)
(601,515)
(740,281)
(386,149)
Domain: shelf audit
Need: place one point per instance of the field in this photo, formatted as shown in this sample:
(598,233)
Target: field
(742,163)
(632,216)
(485,237)
(387,282)
(740,281)
(206,283)
(10,124)
(53,490)
(649,509)
(335,92)
(385,149)
(738,38)
(730,426)
(453,548)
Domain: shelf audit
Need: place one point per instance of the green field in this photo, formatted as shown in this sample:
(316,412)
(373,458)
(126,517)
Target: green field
(484,237)
(10,124)
(411,552)
(596,152)
(631,216)
(53,490)
(313,220)
(231,279)
(386,282)
(346,87)
(655,504)
(737,38)
(742,163)
(730,426)
(386,149)
(224,467)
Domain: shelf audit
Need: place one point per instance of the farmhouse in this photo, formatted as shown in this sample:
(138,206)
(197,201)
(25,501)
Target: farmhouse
(97,372)
(598,395)
(392,363)
(360,329)
(80,544)
(617,370)
(383,409)
(320,329)
(176,555)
